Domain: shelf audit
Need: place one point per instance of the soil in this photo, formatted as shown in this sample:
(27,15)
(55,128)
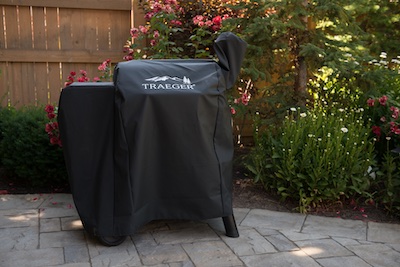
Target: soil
(246,194)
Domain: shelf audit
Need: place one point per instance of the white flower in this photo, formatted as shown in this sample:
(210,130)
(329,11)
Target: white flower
(303,115)
(388,138)
(292,109)
(341,110)
(344,129)
(396,61)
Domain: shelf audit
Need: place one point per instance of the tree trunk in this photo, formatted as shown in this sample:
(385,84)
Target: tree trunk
(300,84)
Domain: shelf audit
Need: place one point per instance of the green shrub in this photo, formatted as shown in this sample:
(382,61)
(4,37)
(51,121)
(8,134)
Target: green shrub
(25,151)
(387,183)
(315,157)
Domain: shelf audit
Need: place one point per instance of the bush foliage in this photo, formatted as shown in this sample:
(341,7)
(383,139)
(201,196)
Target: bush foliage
(25,151)
(316,157)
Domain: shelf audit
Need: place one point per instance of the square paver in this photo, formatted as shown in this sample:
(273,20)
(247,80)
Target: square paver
(194,233)
(32,258)
(378,255)
(336,227)
(124,254)
(61,239)
(281,242)
(322,248)
(18,218)
(152,253)
(282,259)
(249,242)
(29,201)
(50,225)
(212,253)
(343,262)
(384,232)
(25,238)
(274,220)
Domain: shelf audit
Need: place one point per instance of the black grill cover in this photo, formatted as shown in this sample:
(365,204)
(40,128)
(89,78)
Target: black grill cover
(165,150)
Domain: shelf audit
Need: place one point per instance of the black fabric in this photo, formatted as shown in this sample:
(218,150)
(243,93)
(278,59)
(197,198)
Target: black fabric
(86,122)
(230,51)
(155,145)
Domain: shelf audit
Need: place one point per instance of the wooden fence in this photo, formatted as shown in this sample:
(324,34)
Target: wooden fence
(41,41)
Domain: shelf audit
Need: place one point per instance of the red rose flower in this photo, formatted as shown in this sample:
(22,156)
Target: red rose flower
(383,100)
(217,20)
(371,102)
(49,109)
(376,130)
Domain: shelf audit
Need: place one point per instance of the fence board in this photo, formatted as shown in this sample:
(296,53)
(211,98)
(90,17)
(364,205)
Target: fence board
(52,33)
(12,38)
(38,21)
(25,29)
(66,40)
(54,82)
(90,30)
(41,86)
(27,79)
(2,41)
(3,84)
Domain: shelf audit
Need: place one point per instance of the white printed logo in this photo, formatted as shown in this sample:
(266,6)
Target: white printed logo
(160,83)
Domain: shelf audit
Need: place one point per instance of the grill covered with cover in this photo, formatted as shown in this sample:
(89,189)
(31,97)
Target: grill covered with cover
(154,144)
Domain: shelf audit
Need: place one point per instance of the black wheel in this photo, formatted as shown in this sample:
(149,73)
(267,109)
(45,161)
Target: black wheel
(111,240)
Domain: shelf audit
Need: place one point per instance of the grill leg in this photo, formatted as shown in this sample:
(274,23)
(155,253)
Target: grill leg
(230,226)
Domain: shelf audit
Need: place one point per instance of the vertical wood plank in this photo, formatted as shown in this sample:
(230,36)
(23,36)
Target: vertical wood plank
(14,75)
(2,36)
(53,32)
(25,27)
(103,24)
(3,85)
(39,39)
(78,29)
(90,29)
(119,30)
(27,75)
(53,43)
(66,39)
(55,83)
(12,38)
(39,30)
(41,86)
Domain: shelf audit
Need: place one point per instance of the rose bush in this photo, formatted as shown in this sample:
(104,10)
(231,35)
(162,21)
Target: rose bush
(384,114)
(51,127)
(173,29)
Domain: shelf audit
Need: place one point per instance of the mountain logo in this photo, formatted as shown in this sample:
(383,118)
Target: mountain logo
(185,80)
(167,83)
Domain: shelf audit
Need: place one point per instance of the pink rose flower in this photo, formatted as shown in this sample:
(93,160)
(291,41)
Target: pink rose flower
(383,100)
(371,102)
